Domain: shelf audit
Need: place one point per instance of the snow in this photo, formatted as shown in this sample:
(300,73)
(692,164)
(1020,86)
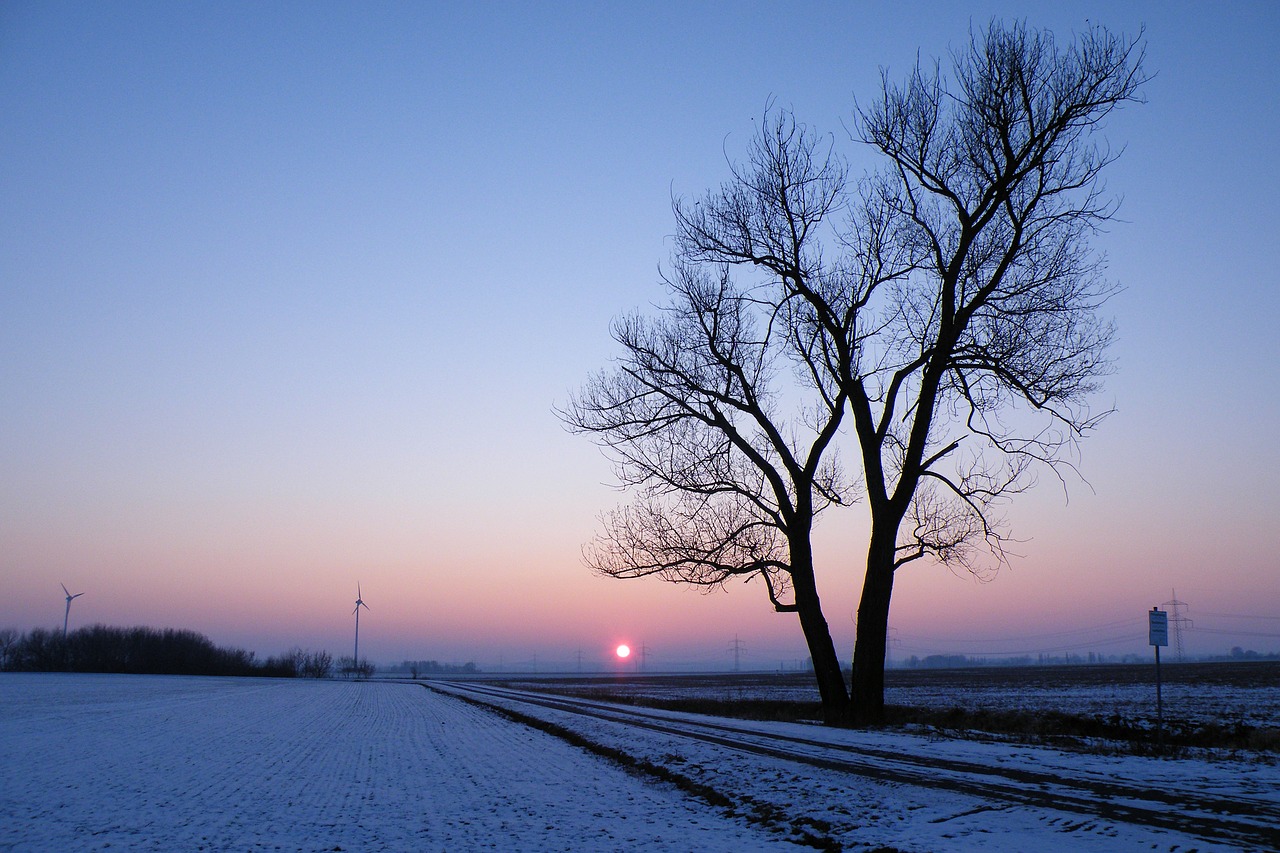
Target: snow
(174,763)
(1194,694)
(97,762)
(863,813)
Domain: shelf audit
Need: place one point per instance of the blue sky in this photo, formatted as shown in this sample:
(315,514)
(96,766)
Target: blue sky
(288,293)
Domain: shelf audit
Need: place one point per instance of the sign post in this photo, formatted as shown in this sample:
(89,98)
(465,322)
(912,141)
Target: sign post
(1158,630)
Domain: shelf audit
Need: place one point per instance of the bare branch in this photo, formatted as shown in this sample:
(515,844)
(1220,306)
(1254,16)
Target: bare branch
(949,302)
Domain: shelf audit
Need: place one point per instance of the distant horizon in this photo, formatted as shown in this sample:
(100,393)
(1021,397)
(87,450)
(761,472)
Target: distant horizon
(1124,642)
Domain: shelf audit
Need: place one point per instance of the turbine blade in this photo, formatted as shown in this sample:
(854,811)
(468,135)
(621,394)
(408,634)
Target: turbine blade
(64,588)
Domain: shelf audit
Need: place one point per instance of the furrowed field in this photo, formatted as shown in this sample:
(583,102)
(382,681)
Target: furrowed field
(109,762)
(1228,696)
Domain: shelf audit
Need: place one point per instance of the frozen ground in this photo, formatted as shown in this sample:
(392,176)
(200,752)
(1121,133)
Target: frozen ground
(103,762)
(863,790)
(94,762)
(1223,693)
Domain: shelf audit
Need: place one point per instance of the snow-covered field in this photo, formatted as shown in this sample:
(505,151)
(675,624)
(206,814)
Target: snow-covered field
(1193,693)
(97,762)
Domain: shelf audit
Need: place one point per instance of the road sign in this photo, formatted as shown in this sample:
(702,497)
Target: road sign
(1159,627)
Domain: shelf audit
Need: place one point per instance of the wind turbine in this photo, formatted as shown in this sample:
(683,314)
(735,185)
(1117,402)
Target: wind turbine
(67,616)
(359,603)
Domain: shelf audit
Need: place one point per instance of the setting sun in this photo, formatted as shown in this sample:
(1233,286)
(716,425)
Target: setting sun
(624,651)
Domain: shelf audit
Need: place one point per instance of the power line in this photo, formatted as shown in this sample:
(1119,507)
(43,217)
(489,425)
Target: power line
(1235,633)
(1238,616)
(1094,643)
(1022,638)
(1080,639)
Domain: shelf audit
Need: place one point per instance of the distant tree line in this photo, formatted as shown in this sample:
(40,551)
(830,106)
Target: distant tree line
(1238,653)
(348,668)
(147,651)
(431,667)
(297,663)
(965,661)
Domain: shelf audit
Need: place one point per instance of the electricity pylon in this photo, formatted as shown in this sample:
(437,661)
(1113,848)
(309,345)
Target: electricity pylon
(736,647)
(1178,622)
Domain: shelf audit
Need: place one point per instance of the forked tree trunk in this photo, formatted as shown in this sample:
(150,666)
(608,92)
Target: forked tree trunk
(822,651)
(873,630)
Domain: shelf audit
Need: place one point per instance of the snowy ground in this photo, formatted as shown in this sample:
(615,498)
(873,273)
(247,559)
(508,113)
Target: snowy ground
(1194,693)
(95,762)
(922,793)
(168,763)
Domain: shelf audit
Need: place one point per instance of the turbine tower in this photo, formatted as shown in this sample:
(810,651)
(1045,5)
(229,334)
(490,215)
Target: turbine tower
(359,603)
(67,616)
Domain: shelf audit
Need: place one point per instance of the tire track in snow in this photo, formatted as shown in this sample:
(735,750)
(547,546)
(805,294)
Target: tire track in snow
(1252,822)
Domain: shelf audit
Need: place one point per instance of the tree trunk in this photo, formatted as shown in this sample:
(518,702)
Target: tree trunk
(822,651)
(873,630)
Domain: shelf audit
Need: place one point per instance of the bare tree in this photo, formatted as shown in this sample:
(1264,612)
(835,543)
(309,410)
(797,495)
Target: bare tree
(8,644)
(950,301)
(993,340)
(317,665)
(727,487)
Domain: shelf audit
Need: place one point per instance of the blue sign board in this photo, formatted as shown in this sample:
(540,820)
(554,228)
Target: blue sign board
(1159,627)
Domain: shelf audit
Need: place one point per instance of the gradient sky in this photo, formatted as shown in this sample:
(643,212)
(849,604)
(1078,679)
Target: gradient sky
(288,293)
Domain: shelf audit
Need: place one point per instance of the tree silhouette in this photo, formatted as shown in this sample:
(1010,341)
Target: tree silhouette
(947,303)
